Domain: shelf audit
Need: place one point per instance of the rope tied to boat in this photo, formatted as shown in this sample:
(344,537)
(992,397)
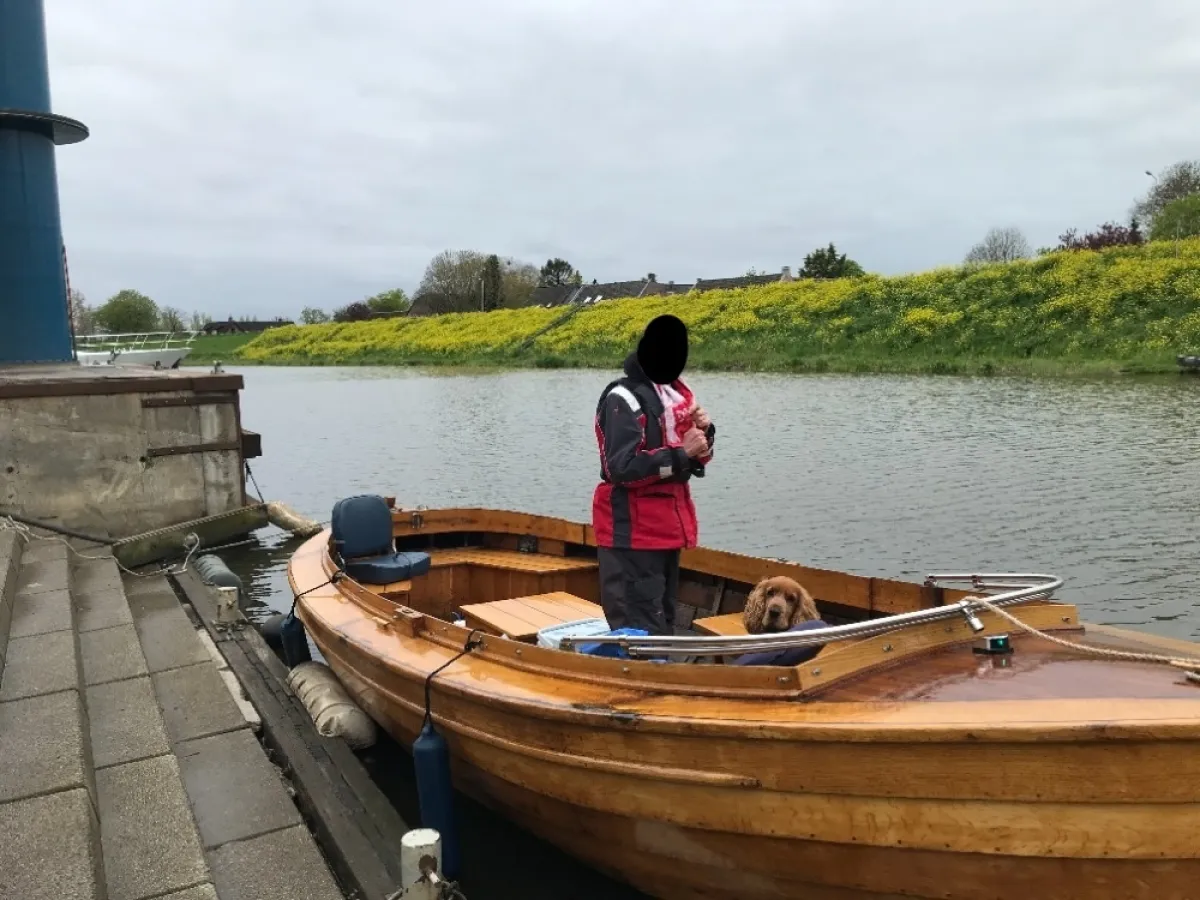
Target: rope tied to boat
(337,576)
(1191,666)
(474,641)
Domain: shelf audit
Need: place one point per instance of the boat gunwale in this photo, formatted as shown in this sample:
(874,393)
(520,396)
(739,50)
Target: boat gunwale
(1112,719)
(892,727)
(801,682)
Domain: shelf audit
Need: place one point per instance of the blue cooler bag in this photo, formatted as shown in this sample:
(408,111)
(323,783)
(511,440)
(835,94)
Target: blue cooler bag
(596,649)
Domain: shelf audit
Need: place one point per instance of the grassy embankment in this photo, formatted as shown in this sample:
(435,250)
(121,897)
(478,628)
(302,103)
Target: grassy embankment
(1120,310)
(224,347)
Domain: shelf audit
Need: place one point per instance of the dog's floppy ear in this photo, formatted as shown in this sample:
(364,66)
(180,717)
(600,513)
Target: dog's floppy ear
(806,606)
(752,615)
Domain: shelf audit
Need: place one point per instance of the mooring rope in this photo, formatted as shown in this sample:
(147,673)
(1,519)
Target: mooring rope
(337,576)
(254,481)
(1180,662)
(191,541)
(472,643)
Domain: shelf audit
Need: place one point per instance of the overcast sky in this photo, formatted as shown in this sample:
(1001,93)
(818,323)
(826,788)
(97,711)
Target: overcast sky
(251,157)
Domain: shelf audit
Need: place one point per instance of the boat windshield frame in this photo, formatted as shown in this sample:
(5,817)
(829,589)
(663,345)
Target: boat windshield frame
(1006,589)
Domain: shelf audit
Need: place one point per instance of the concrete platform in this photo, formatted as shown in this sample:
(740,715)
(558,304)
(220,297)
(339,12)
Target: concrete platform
(41,664)
(93,575)
(41,613)
(126,724)
(40,551)
(235,791)
(125,448)
(121,780)
(41,746)
(150,842)
(70,379)
(103,609)
(250,870)
(167,636)
(47,852)
(43,575)
(111,654)
(195,702)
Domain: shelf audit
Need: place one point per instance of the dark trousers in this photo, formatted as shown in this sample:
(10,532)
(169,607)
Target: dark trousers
(638,588)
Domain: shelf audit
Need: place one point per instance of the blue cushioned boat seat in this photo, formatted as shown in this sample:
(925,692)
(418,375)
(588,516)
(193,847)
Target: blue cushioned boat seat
(387,568)
(362,534)
(362,526)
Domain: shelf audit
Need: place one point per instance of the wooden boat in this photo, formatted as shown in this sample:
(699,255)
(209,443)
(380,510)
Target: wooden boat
(897,765)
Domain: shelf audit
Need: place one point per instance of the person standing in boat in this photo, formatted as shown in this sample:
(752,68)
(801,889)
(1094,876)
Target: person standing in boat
(654,438)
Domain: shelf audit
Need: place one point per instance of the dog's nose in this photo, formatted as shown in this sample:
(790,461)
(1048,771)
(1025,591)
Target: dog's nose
(773,613)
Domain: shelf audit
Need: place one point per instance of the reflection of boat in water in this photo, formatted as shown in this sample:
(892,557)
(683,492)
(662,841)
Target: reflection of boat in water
(897,763)
(158,349)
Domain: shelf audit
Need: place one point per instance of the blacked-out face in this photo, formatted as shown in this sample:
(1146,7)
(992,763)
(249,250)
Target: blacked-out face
(663,350)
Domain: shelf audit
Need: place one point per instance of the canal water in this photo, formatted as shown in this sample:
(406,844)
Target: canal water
(894,476)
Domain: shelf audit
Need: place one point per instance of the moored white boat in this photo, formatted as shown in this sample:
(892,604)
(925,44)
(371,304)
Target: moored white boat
(156,349)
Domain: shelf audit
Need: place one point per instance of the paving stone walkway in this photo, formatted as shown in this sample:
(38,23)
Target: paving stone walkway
(130,770)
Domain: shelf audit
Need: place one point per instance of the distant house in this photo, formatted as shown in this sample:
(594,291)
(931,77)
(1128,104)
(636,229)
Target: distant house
(650,286)
(246,327)
(587,294)
(552,295)
(742,281)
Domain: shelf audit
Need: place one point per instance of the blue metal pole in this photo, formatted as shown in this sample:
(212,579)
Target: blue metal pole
(34,315)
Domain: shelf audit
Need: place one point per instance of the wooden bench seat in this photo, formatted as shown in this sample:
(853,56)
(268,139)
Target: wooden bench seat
(521,618)
(396,590)
(722,626)
(511,560)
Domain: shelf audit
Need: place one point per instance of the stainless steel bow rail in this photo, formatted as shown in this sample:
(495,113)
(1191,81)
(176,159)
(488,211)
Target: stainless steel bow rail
(1011,588)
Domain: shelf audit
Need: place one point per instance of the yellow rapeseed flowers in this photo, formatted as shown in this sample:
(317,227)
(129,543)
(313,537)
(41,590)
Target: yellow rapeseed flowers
(1121,301)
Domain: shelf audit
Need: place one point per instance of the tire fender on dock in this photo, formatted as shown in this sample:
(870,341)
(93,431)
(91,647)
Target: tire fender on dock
(333,712)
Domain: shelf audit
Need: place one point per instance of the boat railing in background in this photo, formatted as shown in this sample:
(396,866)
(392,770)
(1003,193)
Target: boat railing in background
(136,340)
(1010,589)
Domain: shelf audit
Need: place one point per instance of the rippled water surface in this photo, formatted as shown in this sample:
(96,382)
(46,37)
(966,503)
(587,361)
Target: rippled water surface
(892,476)
(1097,481)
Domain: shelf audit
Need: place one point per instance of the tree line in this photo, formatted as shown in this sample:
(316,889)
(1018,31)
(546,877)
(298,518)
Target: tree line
(457,281)
(1171,209)
(130,311)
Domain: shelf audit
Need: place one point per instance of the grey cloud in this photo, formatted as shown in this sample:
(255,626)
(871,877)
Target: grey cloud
(279,153)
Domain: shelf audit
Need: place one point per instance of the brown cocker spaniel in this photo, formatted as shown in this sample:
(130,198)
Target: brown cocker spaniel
(776,604)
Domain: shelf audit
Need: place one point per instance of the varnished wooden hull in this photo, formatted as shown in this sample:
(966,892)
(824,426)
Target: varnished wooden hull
(690,796)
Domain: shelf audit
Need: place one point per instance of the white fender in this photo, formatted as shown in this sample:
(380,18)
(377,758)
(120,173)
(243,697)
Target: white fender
(332,711)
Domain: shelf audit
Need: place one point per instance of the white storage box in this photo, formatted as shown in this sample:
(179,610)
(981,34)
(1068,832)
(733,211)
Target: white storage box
(581,628)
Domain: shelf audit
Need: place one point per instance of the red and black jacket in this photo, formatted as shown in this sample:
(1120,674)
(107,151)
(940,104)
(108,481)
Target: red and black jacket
(643,501)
